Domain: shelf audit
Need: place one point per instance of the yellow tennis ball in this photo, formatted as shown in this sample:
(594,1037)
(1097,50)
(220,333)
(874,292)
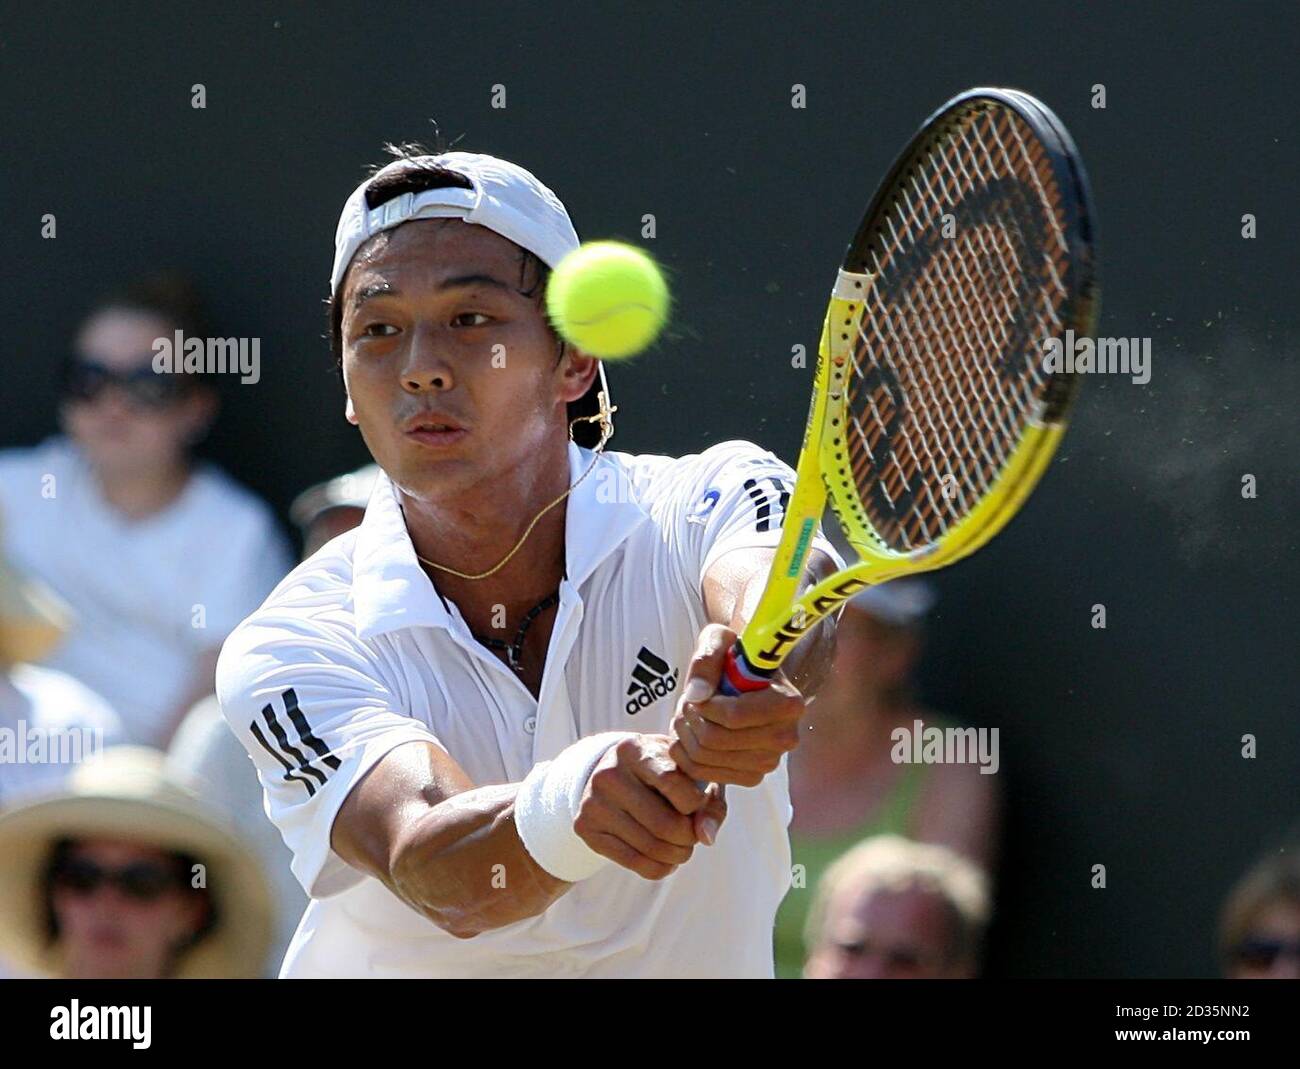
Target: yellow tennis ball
(608,299)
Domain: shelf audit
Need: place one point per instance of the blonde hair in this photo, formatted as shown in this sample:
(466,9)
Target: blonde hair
(891,863)
(1275,878)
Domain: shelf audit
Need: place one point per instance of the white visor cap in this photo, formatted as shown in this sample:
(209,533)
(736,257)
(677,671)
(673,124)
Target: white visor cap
(505,198)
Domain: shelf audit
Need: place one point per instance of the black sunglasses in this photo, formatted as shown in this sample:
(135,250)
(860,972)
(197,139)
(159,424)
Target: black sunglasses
(1261,953)
(144,881)
(86,380)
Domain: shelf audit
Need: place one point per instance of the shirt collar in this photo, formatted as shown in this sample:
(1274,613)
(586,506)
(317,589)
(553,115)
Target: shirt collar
(390,589)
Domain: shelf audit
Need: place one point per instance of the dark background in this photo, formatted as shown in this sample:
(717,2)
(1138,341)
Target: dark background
(1119,747)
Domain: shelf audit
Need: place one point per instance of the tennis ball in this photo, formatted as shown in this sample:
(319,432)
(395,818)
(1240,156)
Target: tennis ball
(608,299)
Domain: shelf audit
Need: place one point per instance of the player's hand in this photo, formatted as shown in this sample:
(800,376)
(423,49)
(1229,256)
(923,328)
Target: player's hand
(642,812)
(737,740)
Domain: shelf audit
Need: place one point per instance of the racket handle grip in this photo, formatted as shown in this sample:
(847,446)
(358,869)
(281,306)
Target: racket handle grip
(739,676)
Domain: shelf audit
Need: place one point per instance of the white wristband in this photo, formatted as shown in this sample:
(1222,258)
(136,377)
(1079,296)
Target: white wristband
(547,805)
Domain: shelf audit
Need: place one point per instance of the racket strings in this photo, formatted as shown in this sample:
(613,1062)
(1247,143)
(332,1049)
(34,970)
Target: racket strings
(969,265)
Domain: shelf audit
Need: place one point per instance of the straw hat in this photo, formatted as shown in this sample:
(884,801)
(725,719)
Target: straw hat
(125,794)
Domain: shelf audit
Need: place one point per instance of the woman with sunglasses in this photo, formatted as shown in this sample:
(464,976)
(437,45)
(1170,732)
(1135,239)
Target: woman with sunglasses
(128,875)
(158,555)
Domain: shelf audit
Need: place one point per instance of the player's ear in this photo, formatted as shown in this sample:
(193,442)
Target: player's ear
(577,370)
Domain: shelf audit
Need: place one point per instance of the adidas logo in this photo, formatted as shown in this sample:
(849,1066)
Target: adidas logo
(652,678)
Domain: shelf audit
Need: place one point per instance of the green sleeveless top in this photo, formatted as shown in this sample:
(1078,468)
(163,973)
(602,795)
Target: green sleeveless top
(815,854)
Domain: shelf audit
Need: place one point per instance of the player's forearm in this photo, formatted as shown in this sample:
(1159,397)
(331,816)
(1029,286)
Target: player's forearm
(808,664)
(462,865)
(732,590)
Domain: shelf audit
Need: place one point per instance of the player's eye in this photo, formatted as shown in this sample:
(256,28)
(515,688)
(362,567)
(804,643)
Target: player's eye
(378,330)
(473,315)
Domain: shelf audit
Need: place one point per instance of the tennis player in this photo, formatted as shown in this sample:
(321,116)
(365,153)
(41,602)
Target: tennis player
(482,719)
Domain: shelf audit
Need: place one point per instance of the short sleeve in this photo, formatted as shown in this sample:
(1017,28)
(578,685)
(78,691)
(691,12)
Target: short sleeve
(734,496)
(309,704)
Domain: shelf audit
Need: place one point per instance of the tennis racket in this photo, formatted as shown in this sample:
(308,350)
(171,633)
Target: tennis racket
(932,414)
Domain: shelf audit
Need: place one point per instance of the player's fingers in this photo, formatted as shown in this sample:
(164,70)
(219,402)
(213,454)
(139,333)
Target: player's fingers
(657,769)
(705,669)
(627,825)
(708,820)
(644,802)
(614,848)
(777,704)
(714,773)
(760,761)
(699,734)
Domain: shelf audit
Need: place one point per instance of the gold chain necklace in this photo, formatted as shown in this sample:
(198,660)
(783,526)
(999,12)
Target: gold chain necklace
(606,430)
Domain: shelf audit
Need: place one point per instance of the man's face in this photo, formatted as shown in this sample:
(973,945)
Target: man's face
(130,429)
(872,934)
(436,334)
(122,908)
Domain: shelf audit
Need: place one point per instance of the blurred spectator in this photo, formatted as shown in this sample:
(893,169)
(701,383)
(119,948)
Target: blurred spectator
(158,556)
(898,910)
(331,508)
(48,720)
(845,784)
(1259,930)
(126,874)
(205,752)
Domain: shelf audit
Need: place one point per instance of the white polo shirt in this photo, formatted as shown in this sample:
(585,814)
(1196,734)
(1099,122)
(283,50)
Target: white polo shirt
(150,596)
(355,653)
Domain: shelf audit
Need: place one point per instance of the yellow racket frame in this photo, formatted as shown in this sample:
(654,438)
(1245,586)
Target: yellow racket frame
(782,616)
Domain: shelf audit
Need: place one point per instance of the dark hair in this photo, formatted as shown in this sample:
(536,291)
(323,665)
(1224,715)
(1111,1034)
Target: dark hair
(61,852)
(170,294)
(417,176)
